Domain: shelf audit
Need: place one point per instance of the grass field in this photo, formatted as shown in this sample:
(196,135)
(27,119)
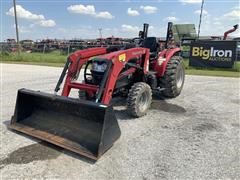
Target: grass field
(228,72)
(53,57)
(58,60)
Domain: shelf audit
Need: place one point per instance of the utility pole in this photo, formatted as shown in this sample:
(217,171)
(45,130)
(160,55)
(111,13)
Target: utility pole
(200,19)
(16,24)
(100,32)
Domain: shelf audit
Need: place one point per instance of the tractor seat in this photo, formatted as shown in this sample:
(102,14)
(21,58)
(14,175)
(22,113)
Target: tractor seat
(152,45)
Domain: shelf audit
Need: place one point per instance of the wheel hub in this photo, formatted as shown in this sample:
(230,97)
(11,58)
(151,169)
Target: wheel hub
(180,77)
(143,102)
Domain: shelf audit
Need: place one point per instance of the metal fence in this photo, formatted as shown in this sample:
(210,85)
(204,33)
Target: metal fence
(64,48)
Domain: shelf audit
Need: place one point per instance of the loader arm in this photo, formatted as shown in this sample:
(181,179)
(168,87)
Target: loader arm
(116,62)
(73,67)
(80,57)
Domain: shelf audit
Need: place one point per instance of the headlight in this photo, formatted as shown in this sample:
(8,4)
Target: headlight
(99,67)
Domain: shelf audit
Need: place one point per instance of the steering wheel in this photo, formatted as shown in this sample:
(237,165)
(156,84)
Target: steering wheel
(87,76)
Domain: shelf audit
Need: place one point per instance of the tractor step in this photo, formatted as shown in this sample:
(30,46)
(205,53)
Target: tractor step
(161,89)
(158,90)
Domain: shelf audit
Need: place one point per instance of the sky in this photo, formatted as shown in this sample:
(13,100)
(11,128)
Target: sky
(39,19)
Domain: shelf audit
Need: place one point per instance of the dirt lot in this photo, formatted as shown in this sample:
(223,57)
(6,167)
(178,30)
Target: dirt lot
(195,136)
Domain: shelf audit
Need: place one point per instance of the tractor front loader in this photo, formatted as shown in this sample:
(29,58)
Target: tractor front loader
(88,127)
(87,124)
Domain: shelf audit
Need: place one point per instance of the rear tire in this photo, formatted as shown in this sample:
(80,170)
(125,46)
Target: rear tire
(173,78)
(139,99)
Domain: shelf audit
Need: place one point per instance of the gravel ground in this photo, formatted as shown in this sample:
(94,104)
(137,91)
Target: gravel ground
(195,136)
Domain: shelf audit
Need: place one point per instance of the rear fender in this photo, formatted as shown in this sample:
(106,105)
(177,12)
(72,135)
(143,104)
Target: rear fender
(163,58)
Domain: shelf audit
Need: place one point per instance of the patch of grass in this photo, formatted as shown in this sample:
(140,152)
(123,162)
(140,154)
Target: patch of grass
(212,73)
(224,72)
(53,57)
(56,59)
(35,63)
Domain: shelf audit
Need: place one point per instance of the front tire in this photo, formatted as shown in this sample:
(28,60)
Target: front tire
(139,99)
(173,78)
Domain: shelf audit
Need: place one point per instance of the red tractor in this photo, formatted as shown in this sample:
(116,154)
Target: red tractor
(87,125)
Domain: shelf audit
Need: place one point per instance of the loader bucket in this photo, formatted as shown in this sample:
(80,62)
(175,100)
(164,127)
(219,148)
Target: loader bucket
(84,127)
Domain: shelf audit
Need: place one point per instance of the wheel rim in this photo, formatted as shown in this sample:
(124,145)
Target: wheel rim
(143,102)
(180,77)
